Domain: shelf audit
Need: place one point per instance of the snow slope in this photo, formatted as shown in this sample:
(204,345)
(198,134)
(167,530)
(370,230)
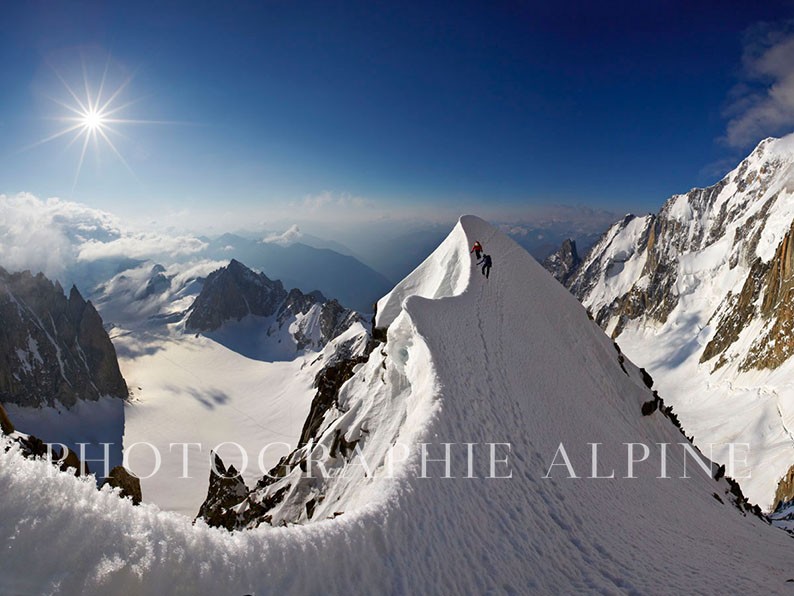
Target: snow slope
(239,384)
(512,360)
(194,390)
(664,284)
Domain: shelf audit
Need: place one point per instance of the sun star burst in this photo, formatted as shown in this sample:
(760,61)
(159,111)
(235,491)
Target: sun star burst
(93,120)
(92,117)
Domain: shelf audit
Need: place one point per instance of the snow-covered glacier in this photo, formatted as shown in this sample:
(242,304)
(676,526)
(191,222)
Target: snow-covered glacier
(511,363)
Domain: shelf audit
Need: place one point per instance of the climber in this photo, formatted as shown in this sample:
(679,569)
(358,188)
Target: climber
(486,265)
(476,249)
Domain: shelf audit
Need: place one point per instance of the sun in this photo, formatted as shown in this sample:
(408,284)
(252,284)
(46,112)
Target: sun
(92,115)
(93,120)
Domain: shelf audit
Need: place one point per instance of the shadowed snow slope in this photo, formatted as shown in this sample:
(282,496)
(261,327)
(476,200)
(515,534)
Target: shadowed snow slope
(513,359)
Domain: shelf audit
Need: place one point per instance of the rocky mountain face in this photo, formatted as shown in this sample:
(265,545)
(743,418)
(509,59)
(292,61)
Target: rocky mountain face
(738,229)
(766,295)
(234,292)
(702,293)
(314,322)
(52,348)
(564,262)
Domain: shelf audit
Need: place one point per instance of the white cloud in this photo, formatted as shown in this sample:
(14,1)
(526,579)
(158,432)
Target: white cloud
(763,104)
(129,295)
(54,236)
(292,235)
(513,230)
(194,269)
(140,246)
(44,235)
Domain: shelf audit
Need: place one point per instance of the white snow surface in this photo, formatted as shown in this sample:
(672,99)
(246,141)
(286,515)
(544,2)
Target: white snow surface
(191,389)
(625,260)
(444,273)
(513,359)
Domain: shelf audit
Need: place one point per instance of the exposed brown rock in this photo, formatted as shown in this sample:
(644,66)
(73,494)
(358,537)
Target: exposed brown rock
(5,422)
(774,347)
(785,489)
(779,280)
(129,484)
(71,461)
(737,312)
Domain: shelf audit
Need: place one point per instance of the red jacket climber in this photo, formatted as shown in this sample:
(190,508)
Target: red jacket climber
(476,249)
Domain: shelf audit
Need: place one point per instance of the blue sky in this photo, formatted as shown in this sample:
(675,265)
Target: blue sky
(388,106)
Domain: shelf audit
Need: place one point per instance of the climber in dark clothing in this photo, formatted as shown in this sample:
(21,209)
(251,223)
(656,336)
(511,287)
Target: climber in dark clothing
(486,265)
(476,249)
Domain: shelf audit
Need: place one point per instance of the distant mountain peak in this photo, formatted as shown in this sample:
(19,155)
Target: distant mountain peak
(563,263)
(309,263)
(235,292)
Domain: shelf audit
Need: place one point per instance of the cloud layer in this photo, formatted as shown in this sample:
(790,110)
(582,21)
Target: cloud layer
(55,237)
(763,103)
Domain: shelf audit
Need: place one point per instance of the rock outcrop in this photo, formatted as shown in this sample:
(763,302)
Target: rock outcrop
(232,293)
(785,490)
(735,314)
(52,348)
(226,491)
(6,426)
(129,485)
(776,344)
(563,263)
(767,294)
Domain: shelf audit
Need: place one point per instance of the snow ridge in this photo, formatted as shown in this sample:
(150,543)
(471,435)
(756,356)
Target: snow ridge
(512,360)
